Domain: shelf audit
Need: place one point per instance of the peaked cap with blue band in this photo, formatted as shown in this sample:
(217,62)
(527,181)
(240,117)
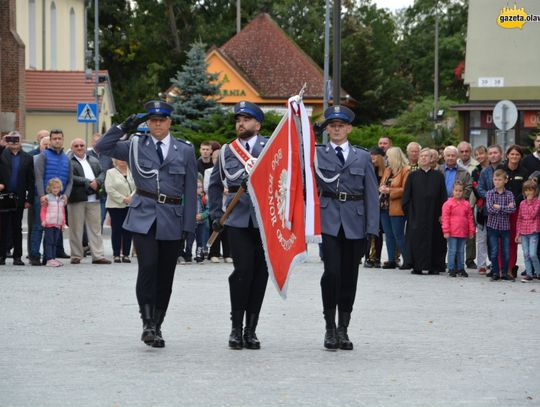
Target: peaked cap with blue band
(158,108)
(249,109)
(340,113)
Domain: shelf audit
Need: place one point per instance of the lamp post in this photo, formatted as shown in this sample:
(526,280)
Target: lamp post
(96,56)
(326,81)
(336,65)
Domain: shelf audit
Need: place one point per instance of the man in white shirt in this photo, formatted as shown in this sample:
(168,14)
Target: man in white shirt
(84,206)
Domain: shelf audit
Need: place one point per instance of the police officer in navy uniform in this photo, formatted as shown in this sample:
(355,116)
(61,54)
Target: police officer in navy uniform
(161,211)
(349,202)
(247,283)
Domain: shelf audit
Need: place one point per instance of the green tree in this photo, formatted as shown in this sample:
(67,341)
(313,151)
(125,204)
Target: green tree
(196,89)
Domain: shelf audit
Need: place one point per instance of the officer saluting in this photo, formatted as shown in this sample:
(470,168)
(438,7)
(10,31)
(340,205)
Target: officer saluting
(247,283)
(162,209)
(349,201)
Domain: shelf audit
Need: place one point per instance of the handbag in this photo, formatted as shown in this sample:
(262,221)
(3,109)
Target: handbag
(8,201)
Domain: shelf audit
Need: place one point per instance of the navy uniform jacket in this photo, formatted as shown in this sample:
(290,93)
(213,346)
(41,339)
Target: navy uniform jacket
(356,176)
(177,178)
(243,211)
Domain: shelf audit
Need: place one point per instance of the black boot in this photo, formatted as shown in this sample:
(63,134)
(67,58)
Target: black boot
(149,327)
(250,339)
(235,339)
(159,316)
(330,337)
(343,338)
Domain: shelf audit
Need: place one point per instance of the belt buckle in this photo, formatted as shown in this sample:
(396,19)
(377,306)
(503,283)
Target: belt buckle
(162,198)
(342,196)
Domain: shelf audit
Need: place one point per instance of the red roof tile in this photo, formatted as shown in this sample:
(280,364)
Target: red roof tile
(266,55)
(59,90)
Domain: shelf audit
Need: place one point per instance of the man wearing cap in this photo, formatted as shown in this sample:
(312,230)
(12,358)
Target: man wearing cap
(349,201)
(163,207)
(247,283)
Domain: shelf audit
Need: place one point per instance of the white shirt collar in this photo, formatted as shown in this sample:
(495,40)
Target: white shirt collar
(344,147)
(251,142)
(80,159)
(165,142)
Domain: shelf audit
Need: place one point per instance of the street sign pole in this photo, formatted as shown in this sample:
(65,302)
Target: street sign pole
(336,69)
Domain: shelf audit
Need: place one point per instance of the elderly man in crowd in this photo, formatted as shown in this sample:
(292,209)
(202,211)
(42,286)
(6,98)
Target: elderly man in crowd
(424,195)
(84,207)
(17,177)
(413,152)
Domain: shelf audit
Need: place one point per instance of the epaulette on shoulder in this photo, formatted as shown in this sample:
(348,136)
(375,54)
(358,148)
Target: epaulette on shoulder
(320,145)
(361,148)
(189,143)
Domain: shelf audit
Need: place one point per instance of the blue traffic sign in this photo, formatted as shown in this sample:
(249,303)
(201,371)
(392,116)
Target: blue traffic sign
(87,112)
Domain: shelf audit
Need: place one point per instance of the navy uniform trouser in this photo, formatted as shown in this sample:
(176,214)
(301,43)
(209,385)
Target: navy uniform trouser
(247,283)
(157,262)
(341,261)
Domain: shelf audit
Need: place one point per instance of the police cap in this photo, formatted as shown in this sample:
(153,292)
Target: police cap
(249,109)
(158,108)
(341,113)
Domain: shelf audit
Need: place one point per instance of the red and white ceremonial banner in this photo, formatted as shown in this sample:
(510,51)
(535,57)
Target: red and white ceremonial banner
(281,175)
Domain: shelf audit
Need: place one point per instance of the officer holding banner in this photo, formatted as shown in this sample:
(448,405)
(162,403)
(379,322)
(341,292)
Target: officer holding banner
(162,209)
(247,283)
(349,202)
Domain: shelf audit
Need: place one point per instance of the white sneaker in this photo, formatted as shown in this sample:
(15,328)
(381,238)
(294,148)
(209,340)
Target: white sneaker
(214,259)
(228,260)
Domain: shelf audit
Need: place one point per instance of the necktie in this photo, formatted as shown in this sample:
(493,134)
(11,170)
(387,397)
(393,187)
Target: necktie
(247,147)
(339,153)
(159,152)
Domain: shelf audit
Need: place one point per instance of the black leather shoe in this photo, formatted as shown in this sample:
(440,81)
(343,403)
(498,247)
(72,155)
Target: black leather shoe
(343,337)
(35,261)
(330,337)
(405,267)
(471,265)
(389,265)
(463,273)
(417,272)
(235,338)
(250,338)
(149,327)
(17,261)
(434,272)
(368,264)
(63,255)
(2,261)
(159,316)
(452,273)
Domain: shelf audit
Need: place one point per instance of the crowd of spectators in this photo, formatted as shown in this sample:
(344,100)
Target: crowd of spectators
(441,210)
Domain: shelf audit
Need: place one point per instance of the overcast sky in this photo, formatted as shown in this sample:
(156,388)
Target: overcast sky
(393,4)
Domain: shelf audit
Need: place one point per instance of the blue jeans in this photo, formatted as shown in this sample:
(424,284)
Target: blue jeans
(202,232)
(394,232)
(496,237)
(49,242)
(456,246)
(529,244)
(37,231)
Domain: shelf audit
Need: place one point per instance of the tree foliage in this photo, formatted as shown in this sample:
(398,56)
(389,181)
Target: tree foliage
(387,59)
(196,90)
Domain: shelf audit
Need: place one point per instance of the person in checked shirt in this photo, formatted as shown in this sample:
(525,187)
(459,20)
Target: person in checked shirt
(500,204)
(528,226)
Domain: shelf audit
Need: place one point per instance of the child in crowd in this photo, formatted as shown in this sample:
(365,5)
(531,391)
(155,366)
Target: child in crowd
(202,229)
(457,226)
(53,220)
(528,228)
(500,204)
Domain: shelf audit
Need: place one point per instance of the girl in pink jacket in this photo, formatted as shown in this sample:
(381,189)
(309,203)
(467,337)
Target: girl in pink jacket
(53,219)
(457,226)
(528,228)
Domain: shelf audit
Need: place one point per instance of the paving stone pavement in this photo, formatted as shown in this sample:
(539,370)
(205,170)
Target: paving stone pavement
(71,338)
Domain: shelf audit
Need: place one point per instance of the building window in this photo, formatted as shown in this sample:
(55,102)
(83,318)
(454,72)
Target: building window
(53,36)
(32,33)
(72,40)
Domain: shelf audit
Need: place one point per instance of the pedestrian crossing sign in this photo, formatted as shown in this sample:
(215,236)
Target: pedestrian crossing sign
(87,112)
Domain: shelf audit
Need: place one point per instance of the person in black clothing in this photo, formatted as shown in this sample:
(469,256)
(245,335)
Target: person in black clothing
(16,175)
(375,243)
(517,175)
(532,161)
(205,160)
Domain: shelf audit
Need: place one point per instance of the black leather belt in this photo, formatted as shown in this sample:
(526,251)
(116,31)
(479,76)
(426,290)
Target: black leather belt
(343,196)
(161,198)
(236,188)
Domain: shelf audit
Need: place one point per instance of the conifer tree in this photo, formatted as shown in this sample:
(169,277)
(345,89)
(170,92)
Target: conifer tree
(197,90)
